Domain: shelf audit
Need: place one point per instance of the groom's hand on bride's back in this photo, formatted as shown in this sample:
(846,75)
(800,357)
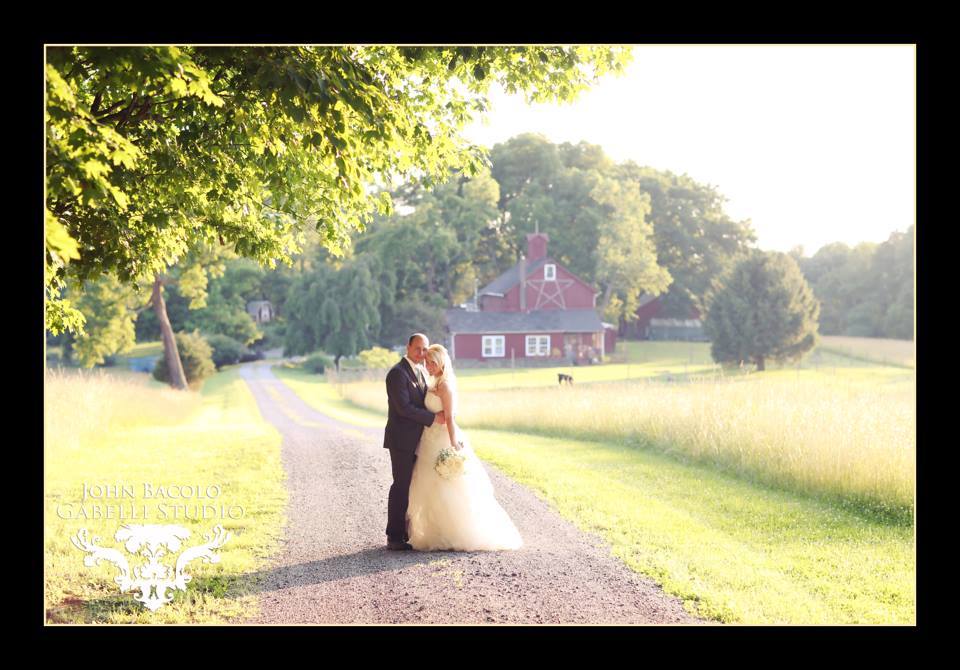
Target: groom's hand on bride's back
(441,418)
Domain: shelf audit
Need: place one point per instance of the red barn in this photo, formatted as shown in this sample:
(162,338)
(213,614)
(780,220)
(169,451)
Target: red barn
(650,324)
(537,310)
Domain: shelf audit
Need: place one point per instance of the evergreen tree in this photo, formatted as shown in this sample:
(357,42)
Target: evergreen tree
(762,309)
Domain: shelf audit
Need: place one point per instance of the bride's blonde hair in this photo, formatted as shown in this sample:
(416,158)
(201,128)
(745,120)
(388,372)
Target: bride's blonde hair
(441,358)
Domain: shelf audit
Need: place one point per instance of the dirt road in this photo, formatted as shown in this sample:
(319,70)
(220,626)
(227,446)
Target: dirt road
(333,566)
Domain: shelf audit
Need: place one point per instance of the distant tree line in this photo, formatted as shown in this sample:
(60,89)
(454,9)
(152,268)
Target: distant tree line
(627,229)
(864,291)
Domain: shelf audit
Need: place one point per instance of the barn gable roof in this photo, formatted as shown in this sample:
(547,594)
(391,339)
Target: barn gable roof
(540,321)
(510,278)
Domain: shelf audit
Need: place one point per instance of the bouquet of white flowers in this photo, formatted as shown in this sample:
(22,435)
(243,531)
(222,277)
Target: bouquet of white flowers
(450,462)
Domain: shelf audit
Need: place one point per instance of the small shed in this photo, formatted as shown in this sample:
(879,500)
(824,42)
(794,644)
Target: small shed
(688,330)
(260,311)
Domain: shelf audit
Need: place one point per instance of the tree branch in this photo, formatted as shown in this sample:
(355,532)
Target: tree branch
(95,107)
(109,109)
(79,65)
(121,114)
(128,111)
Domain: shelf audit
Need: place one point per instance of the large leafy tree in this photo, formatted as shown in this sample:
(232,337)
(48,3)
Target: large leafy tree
(696,240)
(526,168)
(761,309)
(109,309)
(335,308)
(442,246)
(597,219)
(626,258)
(154,151)
(469,206)
(418,261)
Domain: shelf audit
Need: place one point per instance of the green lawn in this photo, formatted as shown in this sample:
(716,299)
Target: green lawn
(634,360)
(734,550)
(101,430)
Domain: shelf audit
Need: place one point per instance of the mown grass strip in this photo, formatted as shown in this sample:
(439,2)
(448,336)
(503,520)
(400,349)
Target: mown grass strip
(734,551)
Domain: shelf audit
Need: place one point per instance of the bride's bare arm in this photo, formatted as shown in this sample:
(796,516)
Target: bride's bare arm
(446,397)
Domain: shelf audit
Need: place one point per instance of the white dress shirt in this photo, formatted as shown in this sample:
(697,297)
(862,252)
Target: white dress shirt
(415,367)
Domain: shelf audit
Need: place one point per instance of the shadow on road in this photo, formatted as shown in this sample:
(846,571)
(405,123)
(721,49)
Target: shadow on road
(368,561)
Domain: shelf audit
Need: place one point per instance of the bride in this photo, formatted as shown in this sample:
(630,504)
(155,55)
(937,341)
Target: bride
(460,513)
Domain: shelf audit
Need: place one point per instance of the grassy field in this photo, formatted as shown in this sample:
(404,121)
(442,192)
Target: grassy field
(753,497)
(902,353)
(844,430)
(105,428)
(116,372)
(634,360)
(663,361)
(733,549)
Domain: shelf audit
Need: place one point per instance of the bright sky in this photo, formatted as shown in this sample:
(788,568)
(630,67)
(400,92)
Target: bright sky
(815,144)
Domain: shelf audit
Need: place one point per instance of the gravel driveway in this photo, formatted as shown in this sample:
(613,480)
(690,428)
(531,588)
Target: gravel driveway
(333,566)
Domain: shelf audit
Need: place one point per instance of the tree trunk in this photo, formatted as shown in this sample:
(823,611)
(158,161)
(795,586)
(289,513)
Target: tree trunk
(605,300)
(336,362)
(760,366)
(177,379)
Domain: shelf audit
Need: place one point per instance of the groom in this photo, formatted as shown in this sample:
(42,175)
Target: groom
(406,419)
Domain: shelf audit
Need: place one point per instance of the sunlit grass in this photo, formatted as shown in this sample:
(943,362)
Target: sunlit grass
(632,360)
(878,350)
(843,429)
(319,392)
(103,430)
(656,360)
(734,550)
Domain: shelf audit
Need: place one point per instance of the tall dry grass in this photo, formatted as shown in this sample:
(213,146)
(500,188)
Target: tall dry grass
(818,435)
(79,404)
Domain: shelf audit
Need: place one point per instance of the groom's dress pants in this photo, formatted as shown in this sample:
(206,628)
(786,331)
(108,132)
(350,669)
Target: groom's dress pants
(402,464)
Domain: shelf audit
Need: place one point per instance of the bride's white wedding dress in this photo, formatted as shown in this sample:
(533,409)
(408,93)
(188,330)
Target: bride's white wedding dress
(460,513)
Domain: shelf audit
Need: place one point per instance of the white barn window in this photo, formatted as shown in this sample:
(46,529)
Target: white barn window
(538,345)
(493,346)
(550,272)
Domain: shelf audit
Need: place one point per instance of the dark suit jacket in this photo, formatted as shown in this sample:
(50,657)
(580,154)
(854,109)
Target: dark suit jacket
(407,414)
